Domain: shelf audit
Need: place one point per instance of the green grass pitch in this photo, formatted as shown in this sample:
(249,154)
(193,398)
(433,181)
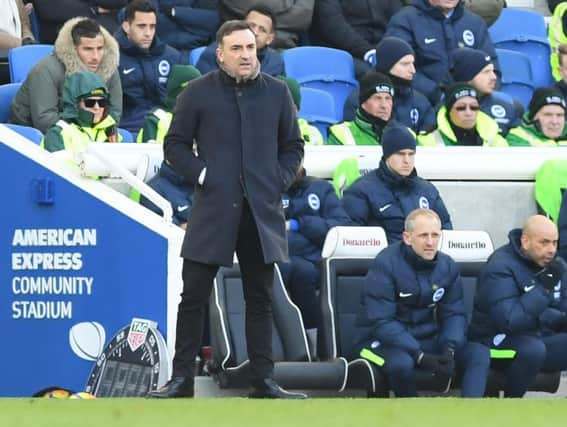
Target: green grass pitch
(318,412)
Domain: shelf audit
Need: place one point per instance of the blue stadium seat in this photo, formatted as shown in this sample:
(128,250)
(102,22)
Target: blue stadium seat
(126,135)
(22,59)
(526,32)
(195,54)
(29,132)
(331,70)
(318,108)
(517,80)
(7,93)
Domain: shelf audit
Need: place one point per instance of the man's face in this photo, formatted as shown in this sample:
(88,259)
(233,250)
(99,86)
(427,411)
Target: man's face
(402,162)
(142,29)
(464,112)
(262,27)
(540,245)
(551,120)
(485,80)
(424,237)
(404,68)
(91,51)
(379,105)
(94,105)
(237,53)
(445,5)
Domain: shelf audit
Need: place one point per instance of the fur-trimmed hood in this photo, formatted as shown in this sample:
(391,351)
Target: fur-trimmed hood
(66,53)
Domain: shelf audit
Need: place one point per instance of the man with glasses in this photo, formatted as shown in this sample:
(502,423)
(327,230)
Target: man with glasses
(460,121)
(543,125)
(85,115)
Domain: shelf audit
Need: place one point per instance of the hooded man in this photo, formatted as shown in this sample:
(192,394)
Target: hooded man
(82,45)
(85,115)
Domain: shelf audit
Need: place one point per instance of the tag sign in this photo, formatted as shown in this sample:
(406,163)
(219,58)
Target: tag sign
(138,332)
(354,242)
(466,245)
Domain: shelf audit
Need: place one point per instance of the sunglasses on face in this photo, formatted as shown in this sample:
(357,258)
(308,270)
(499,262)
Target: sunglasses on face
(465,106)
(90,103)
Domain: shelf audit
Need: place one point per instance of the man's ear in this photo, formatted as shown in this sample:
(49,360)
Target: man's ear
(219,54)
(271,38)
(125,26)
(406,238)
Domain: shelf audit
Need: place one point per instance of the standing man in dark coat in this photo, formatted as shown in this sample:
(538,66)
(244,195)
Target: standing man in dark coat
(247,152)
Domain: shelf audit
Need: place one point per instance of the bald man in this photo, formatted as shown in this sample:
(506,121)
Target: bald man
(521,304)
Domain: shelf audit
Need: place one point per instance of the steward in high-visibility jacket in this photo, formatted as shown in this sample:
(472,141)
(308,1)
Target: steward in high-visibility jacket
(460,121)
(543,125)
(556,35)
(373,114)
(85,115)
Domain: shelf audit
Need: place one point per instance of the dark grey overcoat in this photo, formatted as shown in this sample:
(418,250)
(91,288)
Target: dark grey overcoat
(248,138)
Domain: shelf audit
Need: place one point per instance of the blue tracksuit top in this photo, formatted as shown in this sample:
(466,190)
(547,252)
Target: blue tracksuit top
(407,298)
(143,74)
(433,37)
(510,300)
(383,198)
(314,204)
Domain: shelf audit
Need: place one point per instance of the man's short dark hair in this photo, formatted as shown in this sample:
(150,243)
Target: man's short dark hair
(263,10)
(230,27)
(144,6)
(85,28)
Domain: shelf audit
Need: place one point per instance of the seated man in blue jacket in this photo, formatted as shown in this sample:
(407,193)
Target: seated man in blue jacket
(311,208)
(385,196)
(521,305)
(434,29)
(263,23)
(145,64)
(412,313)
(476,68)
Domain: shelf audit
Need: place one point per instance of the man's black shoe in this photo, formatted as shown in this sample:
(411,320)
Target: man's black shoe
(175,387)
(269,389)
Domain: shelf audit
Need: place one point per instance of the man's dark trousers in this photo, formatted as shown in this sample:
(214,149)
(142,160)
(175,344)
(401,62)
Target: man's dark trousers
(257,280)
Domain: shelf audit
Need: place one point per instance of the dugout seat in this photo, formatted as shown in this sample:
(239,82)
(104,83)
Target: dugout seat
(346,257)
(293,367)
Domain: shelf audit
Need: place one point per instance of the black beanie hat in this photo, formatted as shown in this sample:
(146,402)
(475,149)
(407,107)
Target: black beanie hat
(396,137)
(468,63)
(457,91)
(545,96)
(374,82)
(389,51)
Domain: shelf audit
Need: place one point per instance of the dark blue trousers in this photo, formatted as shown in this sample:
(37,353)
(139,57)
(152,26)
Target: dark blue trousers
(533,354)
(473,359)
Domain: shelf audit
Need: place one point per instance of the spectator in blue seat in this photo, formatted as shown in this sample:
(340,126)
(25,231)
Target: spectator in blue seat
(353,25)
(82,45)
(145,64)
(311,209)
(412,313)
(396,58)
(293,17)
(521,305)
(375,100)
(263,23)
(385,196)
(187,24)
(434,29)
(477,69)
